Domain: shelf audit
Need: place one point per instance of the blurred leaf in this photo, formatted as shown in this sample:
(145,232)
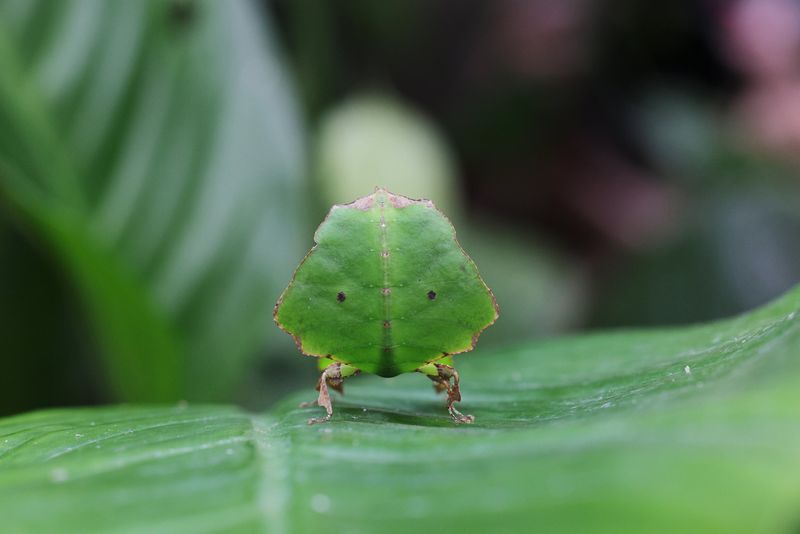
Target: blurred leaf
(375,140)
(33,322)
(540,291)
(155,150)
(685,430)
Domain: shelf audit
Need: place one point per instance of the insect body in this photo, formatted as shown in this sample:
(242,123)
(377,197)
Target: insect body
(386,290)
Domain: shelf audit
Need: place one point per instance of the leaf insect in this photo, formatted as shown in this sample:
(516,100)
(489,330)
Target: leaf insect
(386,289)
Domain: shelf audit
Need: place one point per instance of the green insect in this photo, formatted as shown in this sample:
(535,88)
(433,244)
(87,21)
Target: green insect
(386,289)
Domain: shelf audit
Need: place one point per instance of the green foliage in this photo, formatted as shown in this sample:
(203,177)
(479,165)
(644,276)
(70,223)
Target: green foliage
(153,150)
(386,288)
(695,429)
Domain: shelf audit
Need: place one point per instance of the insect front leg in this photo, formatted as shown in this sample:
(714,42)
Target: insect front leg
(445,379)
(332,376)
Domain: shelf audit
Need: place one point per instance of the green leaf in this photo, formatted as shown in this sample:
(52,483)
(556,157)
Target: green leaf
(695,429)
(154,149)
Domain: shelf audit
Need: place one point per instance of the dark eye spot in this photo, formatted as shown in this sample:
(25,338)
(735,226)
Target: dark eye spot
(341,296)
(431,294)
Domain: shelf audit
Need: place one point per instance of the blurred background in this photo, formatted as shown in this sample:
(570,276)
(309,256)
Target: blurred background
(163,165)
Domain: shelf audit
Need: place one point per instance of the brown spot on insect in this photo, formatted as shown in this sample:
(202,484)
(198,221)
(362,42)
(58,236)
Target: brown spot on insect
(399,201)
(387,324)
(363,203)
(385,253)
(386,291)
(340,296)
(432,294)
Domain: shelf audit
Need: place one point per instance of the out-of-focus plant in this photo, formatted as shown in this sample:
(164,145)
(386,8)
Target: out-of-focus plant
(735,241)
(152,152)
(375,140)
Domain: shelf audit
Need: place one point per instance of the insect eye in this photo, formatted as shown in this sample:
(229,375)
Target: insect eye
(341,296)
(432,294)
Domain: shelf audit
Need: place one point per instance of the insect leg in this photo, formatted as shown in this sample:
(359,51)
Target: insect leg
(333,376)
(442,375)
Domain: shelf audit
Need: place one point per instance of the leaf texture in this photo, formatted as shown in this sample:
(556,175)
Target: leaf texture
(693,429)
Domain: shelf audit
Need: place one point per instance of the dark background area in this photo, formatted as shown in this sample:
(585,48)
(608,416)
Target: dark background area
(620,131)
(607,164)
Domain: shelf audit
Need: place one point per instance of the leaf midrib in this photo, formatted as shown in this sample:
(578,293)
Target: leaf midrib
(273,493)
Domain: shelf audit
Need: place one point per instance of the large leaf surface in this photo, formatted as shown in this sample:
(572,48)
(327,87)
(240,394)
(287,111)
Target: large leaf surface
(154,150)
(687,430)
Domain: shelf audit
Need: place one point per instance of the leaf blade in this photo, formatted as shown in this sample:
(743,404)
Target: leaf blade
(170,152)
(606,432)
